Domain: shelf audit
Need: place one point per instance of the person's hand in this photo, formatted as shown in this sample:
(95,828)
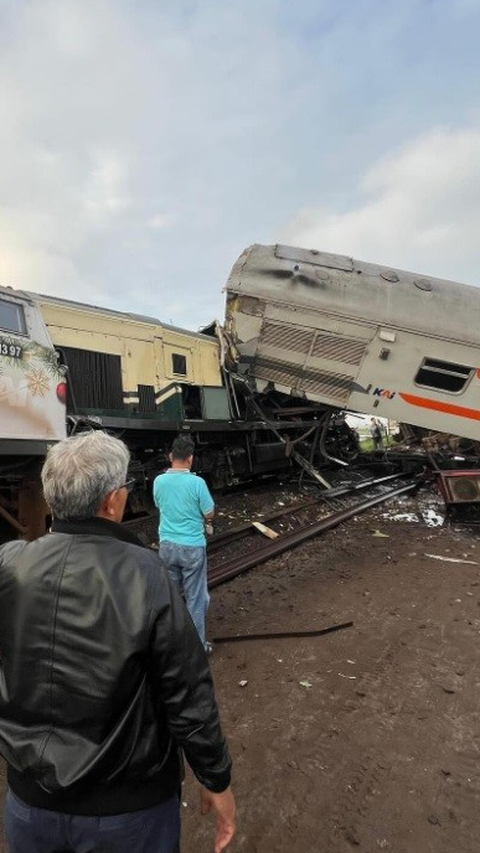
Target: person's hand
(224,807)
(209,528)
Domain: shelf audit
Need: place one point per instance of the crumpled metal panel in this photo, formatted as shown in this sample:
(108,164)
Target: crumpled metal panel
(336,385)
(310,380)
(314,257)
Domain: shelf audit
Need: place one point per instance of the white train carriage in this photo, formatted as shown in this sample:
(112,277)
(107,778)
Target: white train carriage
(357,336)
(33,396)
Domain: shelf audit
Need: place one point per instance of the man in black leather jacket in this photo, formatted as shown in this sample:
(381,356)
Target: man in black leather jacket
(103,679)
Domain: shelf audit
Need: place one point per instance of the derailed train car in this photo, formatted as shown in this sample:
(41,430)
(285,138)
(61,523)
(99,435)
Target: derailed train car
(367,338)
(357,336)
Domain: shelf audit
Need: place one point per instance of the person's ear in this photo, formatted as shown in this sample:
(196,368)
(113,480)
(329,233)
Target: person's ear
(113,505)
(108,507)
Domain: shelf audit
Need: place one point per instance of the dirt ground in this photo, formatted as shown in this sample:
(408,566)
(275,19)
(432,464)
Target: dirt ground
(367,738)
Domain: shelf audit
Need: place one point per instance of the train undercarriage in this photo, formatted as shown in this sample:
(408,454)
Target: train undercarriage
(272,435)
(275,442)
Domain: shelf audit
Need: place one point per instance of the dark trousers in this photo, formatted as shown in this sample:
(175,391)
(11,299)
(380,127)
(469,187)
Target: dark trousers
(31,830)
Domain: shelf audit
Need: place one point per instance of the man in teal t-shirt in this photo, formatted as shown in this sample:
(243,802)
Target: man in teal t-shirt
(186,506)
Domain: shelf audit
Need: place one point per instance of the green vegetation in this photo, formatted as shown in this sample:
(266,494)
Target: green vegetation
(366,442)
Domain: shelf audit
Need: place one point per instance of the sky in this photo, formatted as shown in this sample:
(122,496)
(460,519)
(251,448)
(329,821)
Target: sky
(144,144)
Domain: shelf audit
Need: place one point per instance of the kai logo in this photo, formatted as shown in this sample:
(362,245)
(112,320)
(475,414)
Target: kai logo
(384,392)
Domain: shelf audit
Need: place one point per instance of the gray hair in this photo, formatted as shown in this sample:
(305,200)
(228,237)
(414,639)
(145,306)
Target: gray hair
(80,471)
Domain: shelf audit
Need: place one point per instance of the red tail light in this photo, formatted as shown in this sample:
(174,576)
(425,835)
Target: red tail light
(62,392)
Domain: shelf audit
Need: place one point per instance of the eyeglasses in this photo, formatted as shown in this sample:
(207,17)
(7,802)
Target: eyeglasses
(129,485)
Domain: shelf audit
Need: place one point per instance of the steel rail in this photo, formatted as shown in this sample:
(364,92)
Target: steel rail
(280,635)
(219,539)
(241,564)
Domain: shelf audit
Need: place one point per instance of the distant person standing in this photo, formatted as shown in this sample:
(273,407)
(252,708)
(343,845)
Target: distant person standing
(376,433)
(186,507)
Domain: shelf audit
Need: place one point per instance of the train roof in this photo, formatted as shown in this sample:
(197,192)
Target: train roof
(308,279)
(82,306)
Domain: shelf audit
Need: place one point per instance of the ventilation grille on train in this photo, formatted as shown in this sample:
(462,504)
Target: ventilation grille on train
(317,344)
(94,379)
(146,398)
(339,349)
(313,382)
(293,339)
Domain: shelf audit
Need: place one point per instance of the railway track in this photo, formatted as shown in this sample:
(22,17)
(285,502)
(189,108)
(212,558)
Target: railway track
(299,523)
(219,540)
(293,525)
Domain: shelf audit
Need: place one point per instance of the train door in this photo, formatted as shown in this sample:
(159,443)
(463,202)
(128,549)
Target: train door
(173,368)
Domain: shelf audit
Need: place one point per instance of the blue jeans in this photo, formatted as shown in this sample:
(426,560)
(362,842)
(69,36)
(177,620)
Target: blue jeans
(187,567)
(31,830)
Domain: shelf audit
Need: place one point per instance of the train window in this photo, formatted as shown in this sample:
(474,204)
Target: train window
(12,318)
(443,375)
(179,364)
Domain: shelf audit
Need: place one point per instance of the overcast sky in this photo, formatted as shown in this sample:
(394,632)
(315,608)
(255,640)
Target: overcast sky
(145,144)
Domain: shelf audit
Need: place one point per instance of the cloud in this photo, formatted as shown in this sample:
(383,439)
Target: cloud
(161,220)
(419,209)
(144,145)
(105,192)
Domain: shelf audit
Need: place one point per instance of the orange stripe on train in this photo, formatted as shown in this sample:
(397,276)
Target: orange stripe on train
(436,405)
